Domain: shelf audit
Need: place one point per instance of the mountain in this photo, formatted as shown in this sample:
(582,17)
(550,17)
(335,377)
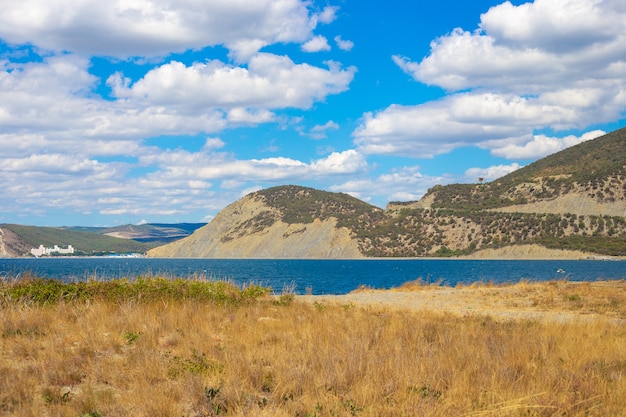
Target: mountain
(18,240)
(281,222)
(571,203)
(159,233)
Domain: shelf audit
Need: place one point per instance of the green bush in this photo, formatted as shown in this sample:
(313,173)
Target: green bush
(51,291)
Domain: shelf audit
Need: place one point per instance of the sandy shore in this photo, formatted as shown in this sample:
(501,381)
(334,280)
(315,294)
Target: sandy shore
(535,252)
(554,301)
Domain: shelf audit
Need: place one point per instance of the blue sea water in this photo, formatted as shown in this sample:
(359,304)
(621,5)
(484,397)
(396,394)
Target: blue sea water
(318,276)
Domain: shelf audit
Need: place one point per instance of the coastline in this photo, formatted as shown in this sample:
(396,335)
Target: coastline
(530,252)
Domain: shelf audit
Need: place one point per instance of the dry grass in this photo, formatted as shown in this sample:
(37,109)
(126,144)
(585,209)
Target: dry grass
(284,357)
(553,299)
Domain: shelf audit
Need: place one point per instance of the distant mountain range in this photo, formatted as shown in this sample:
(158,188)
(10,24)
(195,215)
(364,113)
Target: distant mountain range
(18,240)
(569,204)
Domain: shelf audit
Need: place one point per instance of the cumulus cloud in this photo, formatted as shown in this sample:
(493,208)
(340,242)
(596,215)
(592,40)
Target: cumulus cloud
(250,116)
(59,143)
(49,106)
(549,64)
(319,131)
(208,166)
(72,140)
(490,173)
(347,162)
(53,164)
(317,44)
(269,81)
(327,15)
(437,127)
(401,184)
(213,143)
(344,45)
(542,145)
(554,26)
(542,46)
(156,27)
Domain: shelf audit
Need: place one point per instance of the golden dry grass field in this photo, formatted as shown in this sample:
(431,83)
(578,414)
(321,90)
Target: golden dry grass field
(458,352)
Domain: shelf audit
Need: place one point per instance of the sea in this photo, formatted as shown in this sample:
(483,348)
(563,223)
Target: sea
(317,276)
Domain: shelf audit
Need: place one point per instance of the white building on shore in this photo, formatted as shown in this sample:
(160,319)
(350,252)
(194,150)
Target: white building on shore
(43,251)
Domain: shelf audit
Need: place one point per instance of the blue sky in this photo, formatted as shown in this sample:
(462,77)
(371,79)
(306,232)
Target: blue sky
(139,111)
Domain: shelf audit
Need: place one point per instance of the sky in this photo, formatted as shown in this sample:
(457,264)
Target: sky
(162,111)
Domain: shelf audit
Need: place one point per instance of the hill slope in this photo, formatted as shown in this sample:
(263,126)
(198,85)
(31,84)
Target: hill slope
(574,200)
(158,233)
(18,240)
(281,222)
(586,179)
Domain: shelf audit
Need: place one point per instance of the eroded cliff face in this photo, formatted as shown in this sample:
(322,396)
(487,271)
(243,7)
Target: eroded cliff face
(249,228)
(11,245)
(4,253)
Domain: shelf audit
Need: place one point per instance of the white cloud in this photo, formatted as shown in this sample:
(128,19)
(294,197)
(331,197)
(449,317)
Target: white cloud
(347,162)
(250,116)
(437,127)
(207,218)
(344,45)
(319,131)
(536,47)
(213,143)
(269,81)
(328,14)
(156,27)
(550,64)
(52,164)
(401,184)
(64,147)
(490,173)
(180,164)
(47,107)
(556,26)
(328,125)
(542,145)
(318,43)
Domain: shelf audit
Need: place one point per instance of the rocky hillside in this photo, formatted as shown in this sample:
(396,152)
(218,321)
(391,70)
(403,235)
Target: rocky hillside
(280,222)
(587,179)
(574,200)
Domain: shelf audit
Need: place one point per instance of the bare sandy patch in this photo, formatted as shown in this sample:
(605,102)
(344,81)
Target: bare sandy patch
(543,301)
